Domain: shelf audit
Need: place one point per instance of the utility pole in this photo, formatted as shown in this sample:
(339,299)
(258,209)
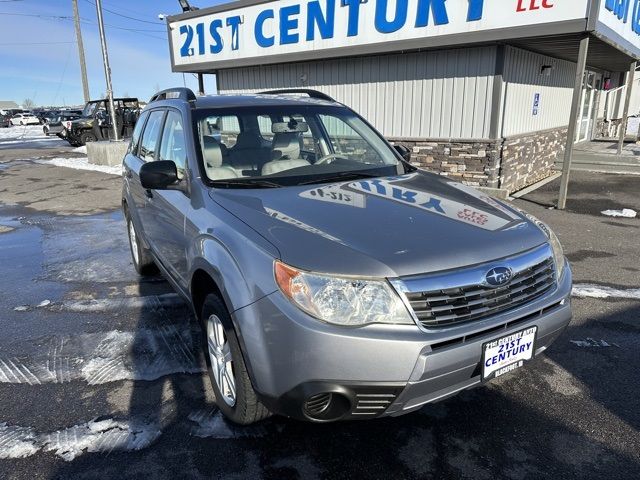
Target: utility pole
(83,64)
(107,71)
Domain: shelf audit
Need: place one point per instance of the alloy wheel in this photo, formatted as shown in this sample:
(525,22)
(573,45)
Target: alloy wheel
(221,360)
(134,242)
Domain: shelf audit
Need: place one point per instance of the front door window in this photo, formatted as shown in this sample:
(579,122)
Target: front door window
(587,108)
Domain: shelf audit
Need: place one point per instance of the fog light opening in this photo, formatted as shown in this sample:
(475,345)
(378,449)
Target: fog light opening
(326,406)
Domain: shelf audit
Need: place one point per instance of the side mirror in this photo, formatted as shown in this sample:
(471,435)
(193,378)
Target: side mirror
(159,175)
(404,152)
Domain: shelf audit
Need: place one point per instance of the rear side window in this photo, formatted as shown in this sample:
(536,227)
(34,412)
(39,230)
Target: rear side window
(135,139)
(173,145)
(148,148)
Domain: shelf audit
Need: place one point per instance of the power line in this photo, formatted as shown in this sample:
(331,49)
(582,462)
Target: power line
(34,43)
(89,22)
(121,15)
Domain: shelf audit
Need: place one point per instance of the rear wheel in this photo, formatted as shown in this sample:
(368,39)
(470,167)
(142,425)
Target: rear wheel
(235,396)
(142,259)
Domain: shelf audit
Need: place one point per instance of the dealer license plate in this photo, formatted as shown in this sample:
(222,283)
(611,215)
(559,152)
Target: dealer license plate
(508,353)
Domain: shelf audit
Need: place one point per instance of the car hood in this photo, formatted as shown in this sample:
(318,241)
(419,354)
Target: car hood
(383,227)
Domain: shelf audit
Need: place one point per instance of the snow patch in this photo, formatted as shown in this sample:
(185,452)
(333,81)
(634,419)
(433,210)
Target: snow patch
(591,343)
(596,291)
(169,300)
(82,149)
(100,358)
(626,213)
(82,164)
(104,436)
(211,424)
(101,436)
(17,442)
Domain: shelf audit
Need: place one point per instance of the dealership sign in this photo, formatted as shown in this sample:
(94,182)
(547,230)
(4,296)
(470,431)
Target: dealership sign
(239,35)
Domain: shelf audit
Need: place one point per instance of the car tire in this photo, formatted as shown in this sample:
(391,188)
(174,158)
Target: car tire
(142,258)
(240,404)
(87,137)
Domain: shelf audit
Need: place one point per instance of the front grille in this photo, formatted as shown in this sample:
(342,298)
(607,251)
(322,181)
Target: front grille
(453,306)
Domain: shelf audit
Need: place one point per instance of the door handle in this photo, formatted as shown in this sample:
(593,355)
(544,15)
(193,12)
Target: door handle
(148,193)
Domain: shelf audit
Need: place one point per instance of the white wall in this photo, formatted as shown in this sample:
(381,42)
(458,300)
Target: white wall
(436,94)
(523,81)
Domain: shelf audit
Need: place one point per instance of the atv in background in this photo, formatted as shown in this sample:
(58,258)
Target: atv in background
(95,123)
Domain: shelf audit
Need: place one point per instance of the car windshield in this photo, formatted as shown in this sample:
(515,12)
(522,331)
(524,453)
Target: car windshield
(89,109)
(255,147)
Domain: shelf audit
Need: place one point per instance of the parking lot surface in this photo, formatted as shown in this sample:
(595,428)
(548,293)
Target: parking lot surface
(101,374)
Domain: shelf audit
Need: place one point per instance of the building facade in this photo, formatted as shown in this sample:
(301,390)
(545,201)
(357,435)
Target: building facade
(480,90)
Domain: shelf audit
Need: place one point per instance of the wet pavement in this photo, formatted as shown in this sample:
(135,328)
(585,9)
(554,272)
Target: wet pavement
(101,373)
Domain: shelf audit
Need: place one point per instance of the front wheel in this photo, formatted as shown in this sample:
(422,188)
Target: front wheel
(235,396)
(87,137)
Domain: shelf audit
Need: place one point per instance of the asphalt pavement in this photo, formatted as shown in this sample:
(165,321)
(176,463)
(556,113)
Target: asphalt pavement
(101,372)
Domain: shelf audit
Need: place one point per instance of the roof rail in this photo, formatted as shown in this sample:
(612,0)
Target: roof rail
(180,93)
(309,92)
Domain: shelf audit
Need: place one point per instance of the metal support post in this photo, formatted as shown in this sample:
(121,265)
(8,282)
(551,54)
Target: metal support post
(573,121)
(625,112)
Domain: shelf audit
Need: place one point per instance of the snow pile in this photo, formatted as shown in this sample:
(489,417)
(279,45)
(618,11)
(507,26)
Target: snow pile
(82,149)
(82,164)
(626,213)
(15,133)
(597,291)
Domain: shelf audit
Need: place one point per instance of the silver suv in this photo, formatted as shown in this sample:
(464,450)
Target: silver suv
(332,279)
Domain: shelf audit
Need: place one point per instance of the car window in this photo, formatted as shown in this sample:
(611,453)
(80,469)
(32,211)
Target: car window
(224,129)
(265,122)
(291,145)
(135,138)
(150,137)
(173,144)
(345,140)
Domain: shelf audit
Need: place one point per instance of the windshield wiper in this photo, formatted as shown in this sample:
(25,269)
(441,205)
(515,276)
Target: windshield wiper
(245,183)
(340,176)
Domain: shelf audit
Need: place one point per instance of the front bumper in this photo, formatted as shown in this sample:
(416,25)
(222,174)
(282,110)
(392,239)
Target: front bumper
(377,370)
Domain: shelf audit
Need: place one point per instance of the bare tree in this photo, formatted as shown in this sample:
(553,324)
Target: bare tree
(28,104)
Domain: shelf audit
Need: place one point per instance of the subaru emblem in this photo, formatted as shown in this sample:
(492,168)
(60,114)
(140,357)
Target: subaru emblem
(499,276)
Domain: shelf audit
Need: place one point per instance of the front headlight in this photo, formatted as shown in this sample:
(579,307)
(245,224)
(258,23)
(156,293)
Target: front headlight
(558,253)
(342,300)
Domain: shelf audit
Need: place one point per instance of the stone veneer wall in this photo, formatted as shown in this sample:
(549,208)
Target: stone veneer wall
(527,159)
(512,163)
(474,162)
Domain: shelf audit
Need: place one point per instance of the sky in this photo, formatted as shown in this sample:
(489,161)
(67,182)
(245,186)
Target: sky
(39,56)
